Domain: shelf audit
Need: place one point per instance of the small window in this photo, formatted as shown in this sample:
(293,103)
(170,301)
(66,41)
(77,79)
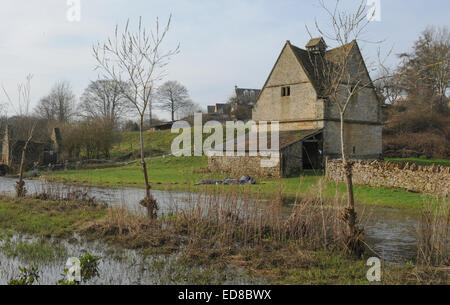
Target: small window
(285,91)
(354,149)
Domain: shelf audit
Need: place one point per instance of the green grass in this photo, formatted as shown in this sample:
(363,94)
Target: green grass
(321,268)
(46,218)
(163,173)
(41,250)
(172,173)
(422,161)
(156,143)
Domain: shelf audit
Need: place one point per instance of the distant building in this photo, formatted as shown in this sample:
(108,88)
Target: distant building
(242,100)
(244,96)
(223,109)
(220,111)
(42,153)
(211,109)
(162,126)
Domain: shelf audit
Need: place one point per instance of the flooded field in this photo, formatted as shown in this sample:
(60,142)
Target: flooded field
(116,266)
(390,233)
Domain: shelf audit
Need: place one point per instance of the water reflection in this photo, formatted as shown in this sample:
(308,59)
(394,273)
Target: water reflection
(389,233)
(116,267)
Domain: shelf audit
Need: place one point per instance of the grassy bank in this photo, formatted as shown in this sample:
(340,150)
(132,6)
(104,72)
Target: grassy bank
(422,161)
(277,253)
(171,173)
(157,143)
(46,218)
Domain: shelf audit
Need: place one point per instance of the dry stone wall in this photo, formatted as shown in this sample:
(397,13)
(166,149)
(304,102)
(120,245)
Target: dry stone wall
(244,165)
(410,176)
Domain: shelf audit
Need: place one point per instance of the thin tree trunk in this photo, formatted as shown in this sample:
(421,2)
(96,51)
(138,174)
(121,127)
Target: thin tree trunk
(350,214)
(173,111)
(342,139)
(143,163)
(173,115)
(20,185)
(150,119)
(148,202)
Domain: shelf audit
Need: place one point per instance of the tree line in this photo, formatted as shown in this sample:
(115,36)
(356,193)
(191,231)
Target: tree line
(416,98)
(91,126)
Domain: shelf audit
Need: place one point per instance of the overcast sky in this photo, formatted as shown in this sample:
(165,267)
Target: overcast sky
(223,43)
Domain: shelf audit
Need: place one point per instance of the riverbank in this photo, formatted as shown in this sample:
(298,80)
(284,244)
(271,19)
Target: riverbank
(172,173)
(211,244)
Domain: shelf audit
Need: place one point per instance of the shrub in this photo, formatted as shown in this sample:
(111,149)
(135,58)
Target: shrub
(28,276)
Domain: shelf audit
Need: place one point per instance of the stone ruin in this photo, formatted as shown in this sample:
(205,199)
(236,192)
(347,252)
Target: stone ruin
(41,153)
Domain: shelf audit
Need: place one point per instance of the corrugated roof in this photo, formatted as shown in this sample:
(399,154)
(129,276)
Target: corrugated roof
(286,138)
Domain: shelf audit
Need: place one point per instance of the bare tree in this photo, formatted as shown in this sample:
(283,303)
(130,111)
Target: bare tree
(105,99)
(59,105)
(27,125)
(388,87)
(3,112)
(425,72)
(241,106)
(343,75)
(188,109)
(172,96)
(136,58)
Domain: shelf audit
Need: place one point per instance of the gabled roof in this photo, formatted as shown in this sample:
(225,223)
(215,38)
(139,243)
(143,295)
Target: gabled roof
(307,60)
(311,62)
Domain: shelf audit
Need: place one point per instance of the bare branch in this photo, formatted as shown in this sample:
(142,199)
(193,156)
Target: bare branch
(135,61)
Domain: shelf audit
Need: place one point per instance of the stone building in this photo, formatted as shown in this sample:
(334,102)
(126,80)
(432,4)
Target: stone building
(294,147)
(42,152)
(220,112)
(245,96)
(241,97)
(242,102)
(293,95)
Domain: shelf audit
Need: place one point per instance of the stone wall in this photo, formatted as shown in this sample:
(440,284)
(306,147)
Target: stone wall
(409,176)
(239,166)
(362,141)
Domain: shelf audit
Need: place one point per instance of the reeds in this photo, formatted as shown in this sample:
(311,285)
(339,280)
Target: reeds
(63,192)
(222,221)
(432,235)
